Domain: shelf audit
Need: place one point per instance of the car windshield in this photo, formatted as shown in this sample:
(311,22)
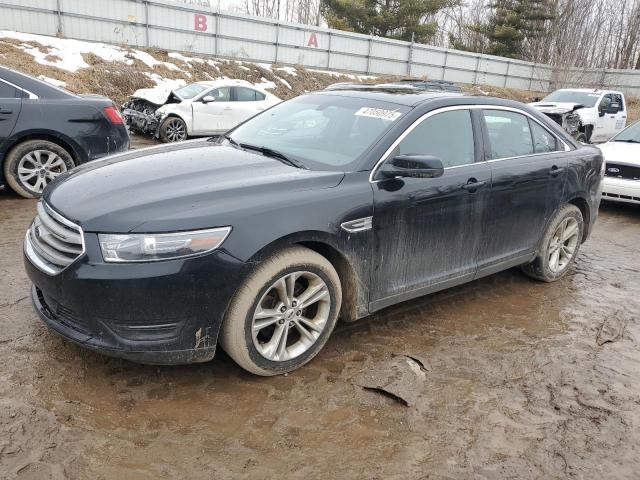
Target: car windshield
(630,134)
(587,99)
(322,132)
(190,91)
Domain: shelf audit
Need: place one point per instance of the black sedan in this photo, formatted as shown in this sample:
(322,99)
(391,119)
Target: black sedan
(45,131)
(333,204)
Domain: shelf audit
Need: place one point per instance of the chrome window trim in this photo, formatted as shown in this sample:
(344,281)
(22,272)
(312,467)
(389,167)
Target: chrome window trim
(32,96)
(427,115)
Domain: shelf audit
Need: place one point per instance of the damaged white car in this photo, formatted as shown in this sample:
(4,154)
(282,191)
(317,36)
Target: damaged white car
(590,116)
(198,109)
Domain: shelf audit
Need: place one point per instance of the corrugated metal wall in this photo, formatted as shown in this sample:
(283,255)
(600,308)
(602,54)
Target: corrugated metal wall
(173,26)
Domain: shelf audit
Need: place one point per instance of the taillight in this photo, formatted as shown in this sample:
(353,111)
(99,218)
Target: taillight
(113,115)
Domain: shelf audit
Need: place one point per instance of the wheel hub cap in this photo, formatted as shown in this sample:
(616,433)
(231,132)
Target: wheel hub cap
(38,168)
(563,245)
(291,316)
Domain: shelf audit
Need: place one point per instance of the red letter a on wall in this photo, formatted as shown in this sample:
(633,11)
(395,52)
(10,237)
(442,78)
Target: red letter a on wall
(313,41)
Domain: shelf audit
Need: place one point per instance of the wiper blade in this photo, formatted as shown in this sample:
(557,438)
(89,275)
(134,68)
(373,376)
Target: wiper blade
(269,152)
(628,141)
(228,138)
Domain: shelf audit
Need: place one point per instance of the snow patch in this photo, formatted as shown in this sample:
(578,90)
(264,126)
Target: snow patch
(288,70)
(184,58)
(52,81)
(286,84)
(166,83)
(265,84)
(69,51)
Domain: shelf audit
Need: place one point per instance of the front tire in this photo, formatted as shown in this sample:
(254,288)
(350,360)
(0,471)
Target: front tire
(173,129)
(560,246)
(283,314)
(30,166)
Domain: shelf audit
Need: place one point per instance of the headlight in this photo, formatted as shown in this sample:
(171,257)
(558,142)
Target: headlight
(149,247)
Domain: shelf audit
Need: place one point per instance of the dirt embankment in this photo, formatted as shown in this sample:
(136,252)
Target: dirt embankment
(119,79)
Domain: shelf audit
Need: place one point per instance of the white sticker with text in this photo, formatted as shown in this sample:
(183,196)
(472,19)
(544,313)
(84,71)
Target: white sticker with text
(381,113)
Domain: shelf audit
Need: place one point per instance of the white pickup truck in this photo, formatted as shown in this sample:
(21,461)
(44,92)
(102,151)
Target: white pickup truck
(591,116)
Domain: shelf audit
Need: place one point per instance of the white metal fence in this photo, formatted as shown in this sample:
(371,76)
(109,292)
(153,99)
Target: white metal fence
(173,26)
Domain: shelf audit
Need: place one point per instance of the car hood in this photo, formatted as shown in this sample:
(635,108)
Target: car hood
(188,186)
(157,96)
(621,152)
(555,107)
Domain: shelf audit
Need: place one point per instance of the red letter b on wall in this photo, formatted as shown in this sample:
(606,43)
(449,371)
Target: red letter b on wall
(200,22)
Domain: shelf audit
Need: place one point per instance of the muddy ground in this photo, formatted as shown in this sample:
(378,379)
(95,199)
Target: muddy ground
(500,378)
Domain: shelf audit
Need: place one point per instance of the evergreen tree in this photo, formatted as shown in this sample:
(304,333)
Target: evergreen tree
(400,19)
(512,23)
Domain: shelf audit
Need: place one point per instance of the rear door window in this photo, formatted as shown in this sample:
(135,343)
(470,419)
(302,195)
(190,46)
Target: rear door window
(509,134)
(543,140)
(446,135)
(244,94)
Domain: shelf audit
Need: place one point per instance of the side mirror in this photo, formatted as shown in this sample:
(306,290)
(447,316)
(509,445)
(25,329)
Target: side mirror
(208,99)
(413,166)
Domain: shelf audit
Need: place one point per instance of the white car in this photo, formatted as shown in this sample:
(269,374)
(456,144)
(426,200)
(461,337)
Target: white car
(591,116)
(622,168)
(198,109)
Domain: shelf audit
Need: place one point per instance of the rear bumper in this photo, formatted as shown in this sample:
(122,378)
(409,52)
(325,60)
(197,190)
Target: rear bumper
(103,143)
(621,190)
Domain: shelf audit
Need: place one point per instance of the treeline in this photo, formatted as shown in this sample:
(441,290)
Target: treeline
(582,33)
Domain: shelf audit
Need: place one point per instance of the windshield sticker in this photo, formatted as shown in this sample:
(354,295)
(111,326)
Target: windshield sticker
(381,113)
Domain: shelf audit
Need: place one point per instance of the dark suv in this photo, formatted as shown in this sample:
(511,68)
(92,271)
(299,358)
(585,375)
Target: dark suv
(45,131)
(337,203)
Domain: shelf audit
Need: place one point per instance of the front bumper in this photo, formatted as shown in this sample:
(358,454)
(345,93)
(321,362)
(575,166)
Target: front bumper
(156,313)
(621,190)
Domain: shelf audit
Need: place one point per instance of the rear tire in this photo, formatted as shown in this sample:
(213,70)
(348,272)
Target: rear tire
(283,314)
(30,166)
(560,246)
(173,129)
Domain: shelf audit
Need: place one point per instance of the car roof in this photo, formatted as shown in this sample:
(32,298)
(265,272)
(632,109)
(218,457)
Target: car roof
(33,85)
(400,96)
(228,82)
(588,90)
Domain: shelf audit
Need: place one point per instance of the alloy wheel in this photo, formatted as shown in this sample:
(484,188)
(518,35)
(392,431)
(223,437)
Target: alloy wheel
(38,168)
(176,130)
(563,244)
(291,316)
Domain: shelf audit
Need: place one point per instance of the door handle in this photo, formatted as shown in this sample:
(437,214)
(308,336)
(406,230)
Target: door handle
(5,112)
(227,108)
(555,171)
(472,185)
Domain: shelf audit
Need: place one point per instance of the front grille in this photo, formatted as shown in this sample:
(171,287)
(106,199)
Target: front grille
(55,241)
(619,170)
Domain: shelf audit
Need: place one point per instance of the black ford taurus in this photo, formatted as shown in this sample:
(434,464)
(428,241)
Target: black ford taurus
(331,205)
